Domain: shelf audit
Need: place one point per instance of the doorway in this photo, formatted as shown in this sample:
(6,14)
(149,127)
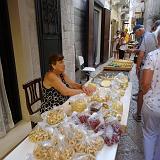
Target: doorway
(97,34)
(8,63)
(48,16)
(106,14)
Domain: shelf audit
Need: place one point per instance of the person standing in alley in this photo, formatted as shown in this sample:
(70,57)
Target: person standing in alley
(115,42)
(127,36)
(151,105)
(123,46)
(148,44)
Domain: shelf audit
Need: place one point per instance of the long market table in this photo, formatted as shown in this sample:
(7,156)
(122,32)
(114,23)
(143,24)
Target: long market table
(107,153)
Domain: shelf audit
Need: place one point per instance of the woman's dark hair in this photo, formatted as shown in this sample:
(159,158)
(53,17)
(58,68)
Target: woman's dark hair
(53,60)
(122,34)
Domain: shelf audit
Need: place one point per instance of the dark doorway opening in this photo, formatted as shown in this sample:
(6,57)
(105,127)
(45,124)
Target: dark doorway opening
(8,63)
(97,34)
(48,16)
(98,16)
(106,14)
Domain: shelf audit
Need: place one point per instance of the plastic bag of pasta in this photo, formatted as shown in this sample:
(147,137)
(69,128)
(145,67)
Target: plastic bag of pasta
(83,156)
(67,152)
(54,116)
(39,135)
(46,151)
(94,143)
(78,103)
(72,134)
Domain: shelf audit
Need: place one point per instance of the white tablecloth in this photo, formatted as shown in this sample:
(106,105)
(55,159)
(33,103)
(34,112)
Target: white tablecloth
(107,153)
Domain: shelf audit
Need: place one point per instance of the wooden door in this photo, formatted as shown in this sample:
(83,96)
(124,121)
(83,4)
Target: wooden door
(49,30)
(113,32)
(105,34)
(90,32)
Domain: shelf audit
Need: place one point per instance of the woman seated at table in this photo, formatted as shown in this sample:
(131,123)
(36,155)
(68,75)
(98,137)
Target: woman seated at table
(57,86)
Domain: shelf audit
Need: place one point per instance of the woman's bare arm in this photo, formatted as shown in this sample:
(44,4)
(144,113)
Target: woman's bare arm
(72,83)
(146,80)
(55,82)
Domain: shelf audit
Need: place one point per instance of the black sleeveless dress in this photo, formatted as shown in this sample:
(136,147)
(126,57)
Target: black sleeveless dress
(51,97)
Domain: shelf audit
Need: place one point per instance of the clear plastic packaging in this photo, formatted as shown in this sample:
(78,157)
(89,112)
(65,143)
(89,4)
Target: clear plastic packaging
(106,83)
(94,106)
(83,117)
(54,116)
(112,133)
(39,135)
(95,119)
(46,151)
(67,153)
(94,143)
(83,156)
(117,106)
(78,103)
(73,134)
(92,86)
(122,80)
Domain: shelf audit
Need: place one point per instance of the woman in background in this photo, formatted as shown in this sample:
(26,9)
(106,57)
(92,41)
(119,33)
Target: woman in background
(123,46)
(115,42)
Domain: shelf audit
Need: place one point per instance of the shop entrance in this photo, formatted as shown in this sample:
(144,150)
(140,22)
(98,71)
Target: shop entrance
(49,30)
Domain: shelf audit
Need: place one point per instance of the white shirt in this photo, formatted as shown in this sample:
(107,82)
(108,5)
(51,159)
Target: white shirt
(124,46)
(152,97)
(148,44)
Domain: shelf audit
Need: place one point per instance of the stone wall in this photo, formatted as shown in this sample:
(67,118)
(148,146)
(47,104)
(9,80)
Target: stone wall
(80,28)
(74,34)
(67,22)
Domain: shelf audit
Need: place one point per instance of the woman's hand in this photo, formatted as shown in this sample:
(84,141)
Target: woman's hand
(88,90)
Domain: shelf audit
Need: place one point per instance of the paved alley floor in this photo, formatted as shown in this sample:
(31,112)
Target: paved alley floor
(131,145)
